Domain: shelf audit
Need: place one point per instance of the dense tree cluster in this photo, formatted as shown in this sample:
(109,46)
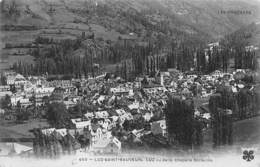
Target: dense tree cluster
(137,123)
(57,115)
(183,129)
(245,59)
(184,57)
(226,106)
(247,101)
(237,42)
(133,59)
(57,59)
(53,145)
(222,120)
(5,102)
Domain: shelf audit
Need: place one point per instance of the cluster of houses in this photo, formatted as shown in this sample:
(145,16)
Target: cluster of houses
(115,101)
(97,140)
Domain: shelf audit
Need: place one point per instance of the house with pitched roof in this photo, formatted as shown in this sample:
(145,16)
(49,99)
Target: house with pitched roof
(107,146)
(12,149)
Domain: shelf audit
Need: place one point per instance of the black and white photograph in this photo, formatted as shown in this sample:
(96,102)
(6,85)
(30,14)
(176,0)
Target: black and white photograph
(131,83)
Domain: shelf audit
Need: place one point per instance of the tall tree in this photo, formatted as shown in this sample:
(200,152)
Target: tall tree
(57,115)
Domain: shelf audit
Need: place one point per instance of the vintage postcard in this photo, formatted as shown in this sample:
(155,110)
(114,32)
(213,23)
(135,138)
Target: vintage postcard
(129,83)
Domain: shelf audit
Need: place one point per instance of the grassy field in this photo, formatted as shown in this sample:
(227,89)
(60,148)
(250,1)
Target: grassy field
(20,130)
(246,133)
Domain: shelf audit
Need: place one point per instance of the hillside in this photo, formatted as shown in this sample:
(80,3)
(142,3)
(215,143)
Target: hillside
(187,15)
(110,20)
(246,35)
